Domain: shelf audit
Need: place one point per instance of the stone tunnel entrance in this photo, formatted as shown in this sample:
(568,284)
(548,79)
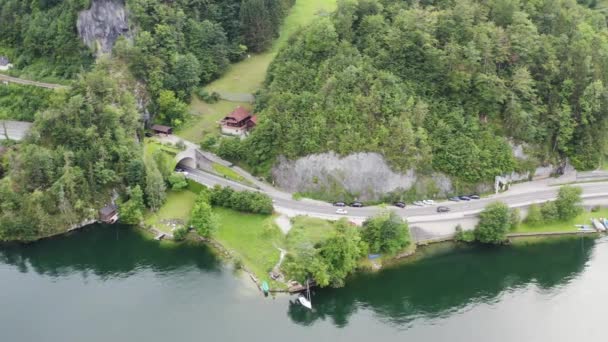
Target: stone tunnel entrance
(187,162)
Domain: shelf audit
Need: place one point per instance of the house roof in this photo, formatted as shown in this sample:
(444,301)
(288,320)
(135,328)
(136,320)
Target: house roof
(238,114)
(161,128)
(254,119)
(4,61)
(108,210)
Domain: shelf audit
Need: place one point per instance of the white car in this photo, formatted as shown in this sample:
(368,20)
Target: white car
(419,203)
(341,211)
(428,202)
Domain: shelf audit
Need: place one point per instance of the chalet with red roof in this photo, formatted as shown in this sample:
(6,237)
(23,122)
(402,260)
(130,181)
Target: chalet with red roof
(239,122)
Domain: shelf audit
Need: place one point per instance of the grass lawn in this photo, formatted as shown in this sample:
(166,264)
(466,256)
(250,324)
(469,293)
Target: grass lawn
(584,218)
(177,207)
(205,117)
(309,229)
(253,238)
(245,76)
(228,173)
(302,13)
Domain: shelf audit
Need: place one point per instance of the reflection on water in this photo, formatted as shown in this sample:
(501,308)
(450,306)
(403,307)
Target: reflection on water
(106,251)
(448,281)
(112,284)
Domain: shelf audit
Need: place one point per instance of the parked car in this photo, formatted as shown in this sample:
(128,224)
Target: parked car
(356,204)
(454,199)
(465,198)
(400,204)
(428,202)
(474,197)
(341,211)
(443,209)
(419,203)
(339,204)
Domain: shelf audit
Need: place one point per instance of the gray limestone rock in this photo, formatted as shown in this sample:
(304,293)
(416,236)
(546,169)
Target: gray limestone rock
(100,26)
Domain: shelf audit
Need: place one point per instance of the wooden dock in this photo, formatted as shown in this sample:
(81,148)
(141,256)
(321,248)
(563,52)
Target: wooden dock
(160,236)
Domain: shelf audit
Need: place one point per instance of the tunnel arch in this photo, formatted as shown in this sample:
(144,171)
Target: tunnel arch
(187,162)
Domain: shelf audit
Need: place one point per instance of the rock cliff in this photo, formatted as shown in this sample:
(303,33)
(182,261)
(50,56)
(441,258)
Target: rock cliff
(365,176)
(102,24)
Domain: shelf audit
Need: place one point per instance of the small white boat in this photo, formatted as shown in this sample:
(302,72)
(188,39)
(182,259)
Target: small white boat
(598,226)
(306,302)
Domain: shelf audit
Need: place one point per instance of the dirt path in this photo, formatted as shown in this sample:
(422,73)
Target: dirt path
(22,81)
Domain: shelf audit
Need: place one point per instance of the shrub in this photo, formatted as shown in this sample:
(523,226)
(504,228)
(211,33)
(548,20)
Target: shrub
(180,233)
(568,202)
(178,181)
(209,143)
(464,235)
(385,233)
(515,218)
(245,201)
(494,223)
(595,209)
(180,145)
(535,216)
(549,212)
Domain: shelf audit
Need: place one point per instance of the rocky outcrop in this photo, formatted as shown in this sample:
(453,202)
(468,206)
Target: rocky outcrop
(366,176)
(100,26)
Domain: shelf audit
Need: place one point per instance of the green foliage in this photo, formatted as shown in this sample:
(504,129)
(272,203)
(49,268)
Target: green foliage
(430,90)
(466,236)
(178,181)
(79,150)
(23,102)
(549,212)
(172,111)
(329,262)
(155,186)
(202,218)
(494,224)
(515,219)
(386,233)
(244,201)
(43,37)
(535,216)
(132,211)
(569,202)
(180,234)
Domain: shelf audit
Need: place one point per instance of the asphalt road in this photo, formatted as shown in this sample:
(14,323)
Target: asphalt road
(531,193)
(16,130)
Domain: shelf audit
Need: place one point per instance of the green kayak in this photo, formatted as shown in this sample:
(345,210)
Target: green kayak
(265,287)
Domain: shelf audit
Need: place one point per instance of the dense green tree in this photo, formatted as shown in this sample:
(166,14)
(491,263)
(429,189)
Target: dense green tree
(341,252)
(155,186)
(385,233)
(569,202)
(172,111)
(132,211)
(178,181)
(494,224)
(202,217)
(535,216)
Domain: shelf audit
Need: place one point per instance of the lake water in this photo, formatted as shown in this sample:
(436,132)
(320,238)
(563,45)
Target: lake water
(111,284)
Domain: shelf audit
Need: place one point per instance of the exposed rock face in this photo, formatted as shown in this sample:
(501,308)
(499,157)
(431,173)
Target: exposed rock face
(100,26)
(367,176)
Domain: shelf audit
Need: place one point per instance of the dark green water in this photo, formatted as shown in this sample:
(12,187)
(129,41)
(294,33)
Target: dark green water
(111,284)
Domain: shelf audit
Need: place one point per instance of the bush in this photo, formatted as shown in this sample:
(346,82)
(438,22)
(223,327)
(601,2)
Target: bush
(180,145)
(549,212)
(596,208)
(385,233)
(535,216)
(209,143)
(515,218)
(568,202)
(464,235)
(206,97)
(245,201)
(494,223)
(178,181)
(179,234)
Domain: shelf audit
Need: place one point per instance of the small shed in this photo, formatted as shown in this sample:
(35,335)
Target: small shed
(108,214)
(160,129)
(5,64)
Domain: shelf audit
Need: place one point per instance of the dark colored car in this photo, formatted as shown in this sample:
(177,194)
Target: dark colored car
(454,199)
(148,134)
(339,204)
(474,197)
(400,204)
(464,198)
(443,209)
(356,204)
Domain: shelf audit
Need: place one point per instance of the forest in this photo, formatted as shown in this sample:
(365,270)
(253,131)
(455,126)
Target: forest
(81,149)
(441,86)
